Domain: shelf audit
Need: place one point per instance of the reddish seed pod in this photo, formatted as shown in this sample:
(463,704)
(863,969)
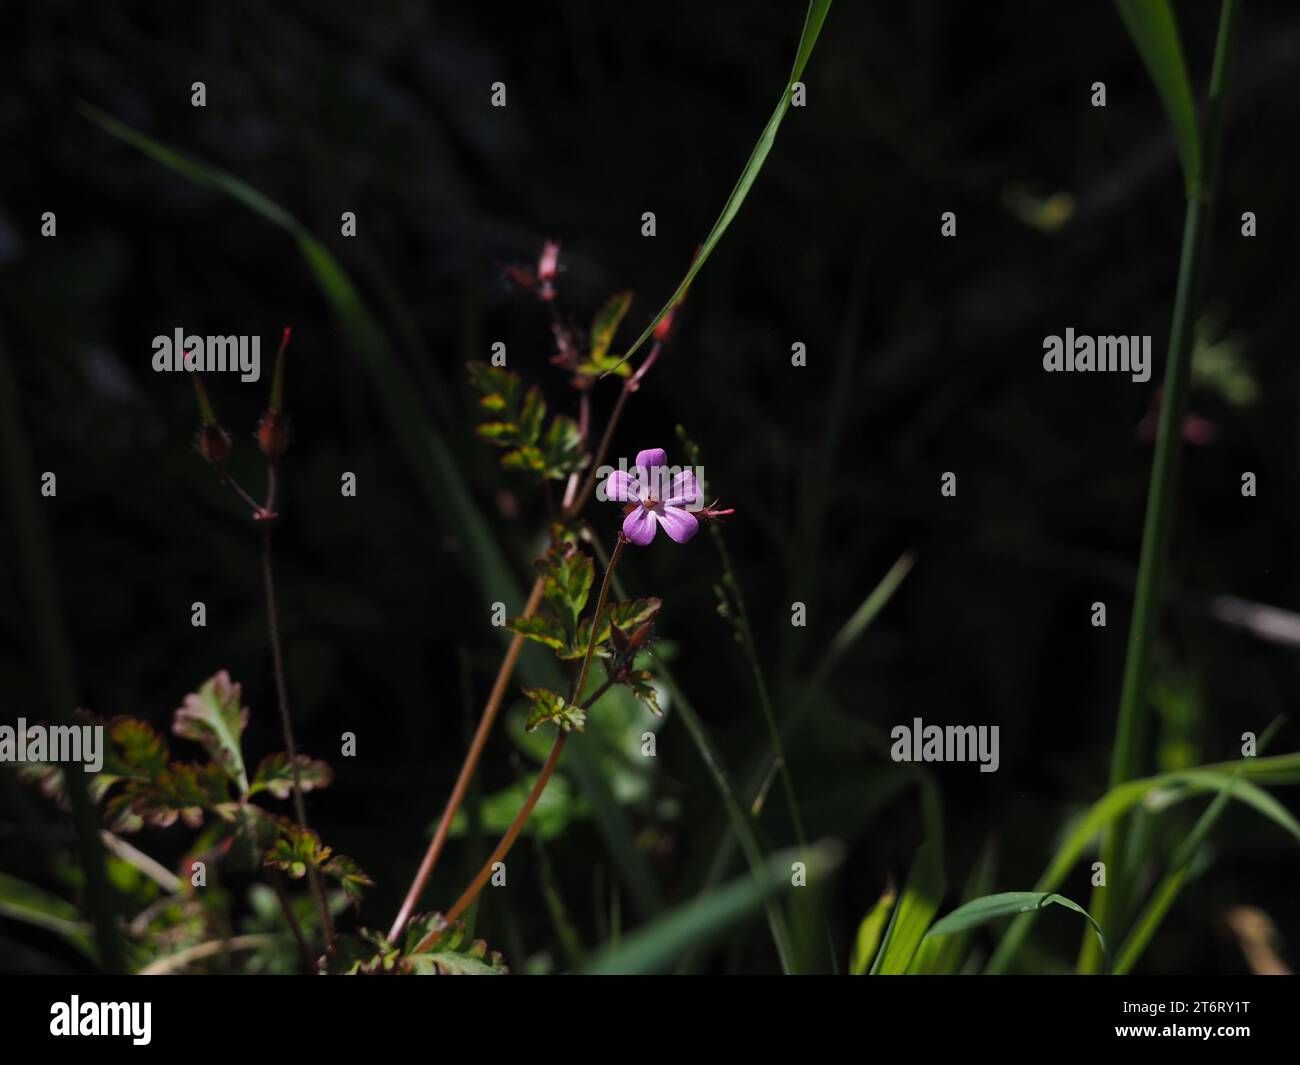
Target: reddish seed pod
(213,443)
(273,434)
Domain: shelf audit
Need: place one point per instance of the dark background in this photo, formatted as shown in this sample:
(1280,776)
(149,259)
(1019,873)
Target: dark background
(924,356)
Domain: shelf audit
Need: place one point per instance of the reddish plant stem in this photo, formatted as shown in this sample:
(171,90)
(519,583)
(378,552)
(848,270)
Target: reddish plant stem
(467,769)
(286,726)
(552,760)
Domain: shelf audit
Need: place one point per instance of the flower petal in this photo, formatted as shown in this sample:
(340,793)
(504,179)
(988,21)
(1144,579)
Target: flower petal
(639,526)
(621,487)
(680,524)
(652,457)
(685,491)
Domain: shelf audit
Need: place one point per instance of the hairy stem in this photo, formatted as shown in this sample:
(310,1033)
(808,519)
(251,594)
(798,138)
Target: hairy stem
(286,726)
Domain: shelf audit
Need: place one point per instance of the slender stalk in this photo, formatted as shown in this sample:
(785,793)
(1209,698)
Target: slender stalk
(1105,907)
(595,620)
(516,826)
(552,760)
(291,918)
(508,840)
(476,746)
(286,726)
(574,506)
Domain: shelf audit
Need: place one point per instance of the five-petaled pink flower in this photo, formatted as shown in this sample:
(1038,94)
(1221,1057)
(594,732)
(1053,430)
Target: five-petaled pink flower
(654,503)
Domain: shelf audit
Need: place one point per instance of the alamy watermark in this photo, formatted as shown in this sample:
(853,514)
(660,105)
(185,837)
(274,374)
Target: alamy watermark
(680,486)
(918,742)
(241,354)
(53,743)
(1083,354)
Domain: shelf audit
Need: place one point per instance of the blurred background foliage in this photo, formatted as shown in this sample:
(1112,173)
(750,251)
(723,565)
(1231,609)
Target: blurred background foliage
(923,357)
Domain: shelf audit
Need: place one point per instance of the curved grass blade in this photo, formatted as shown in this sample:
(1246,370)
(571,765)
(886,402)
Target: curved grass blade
(945,954)
(1154,31)
(1235,777)
(1166,892)
(1007,904)
(653,949)
(812,27)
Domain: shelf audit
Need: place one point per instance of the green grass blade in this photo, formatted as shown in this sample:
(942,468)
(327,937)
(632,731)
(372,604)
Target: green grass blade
(1006,904)
(1154,31)
(1234,777)
(867,943)
(812,27)
(921,896)
(945,954)
(1166,892)
(655,948)
(21,901)
(1144,625)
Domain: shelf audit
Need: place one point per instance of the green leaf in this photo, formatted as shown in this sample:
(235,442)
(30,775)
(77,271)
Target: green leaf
(214,717)
(568,575)
(627,614)
(870,930)
(639,684)
(1006,904)
(543,628)
(551,708)
(1237,777)
(349,876)
(945,954)
(296,849)
(921,896)
(561,449)
(448,953)
(654,948)
(606,325)
(498,388)
(275,775)
(184,791)
(556,807)
(1151,25)
(21,901)
(817,11)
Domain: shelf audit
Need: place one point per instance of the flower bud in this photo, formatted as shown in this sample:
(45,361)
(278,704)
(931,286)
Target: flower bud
(273,434)
(213,443)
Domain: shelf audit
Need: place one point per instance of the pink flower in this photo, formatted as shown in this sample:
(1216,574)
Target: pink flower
(643,488)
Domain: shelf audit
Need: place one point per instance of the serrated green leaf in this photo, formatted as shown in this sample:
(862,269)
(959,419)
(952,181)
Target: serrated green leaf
(275,775)
(545,629)
(214,717)
(444,950)
(550,707)
(627,614)
(561,449)
(639,684)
